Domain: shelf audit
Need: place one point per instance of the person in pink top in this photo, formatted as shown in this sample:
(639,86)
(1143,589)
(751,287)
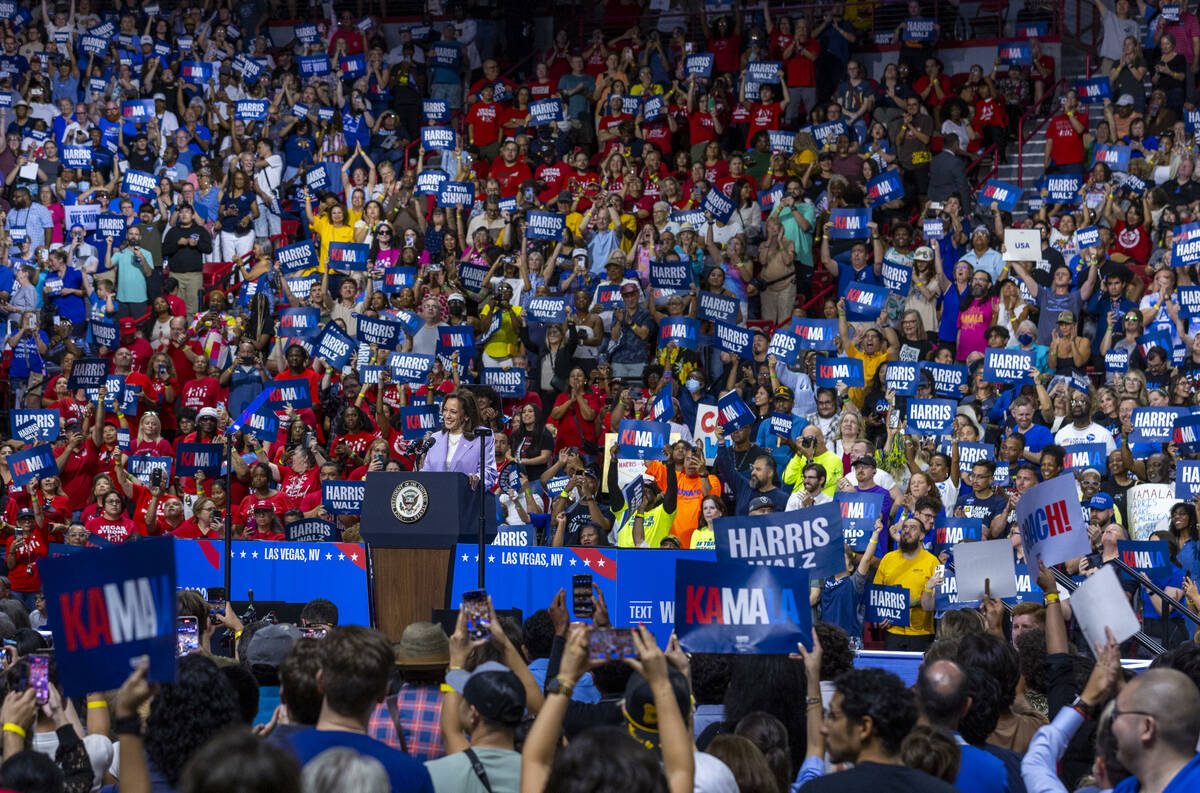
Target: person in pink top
(149,437)
(975,316)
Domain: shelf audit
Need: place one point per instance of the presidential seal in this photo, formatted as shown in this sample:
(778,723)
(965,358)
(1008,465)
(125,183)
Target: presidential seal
(409,501)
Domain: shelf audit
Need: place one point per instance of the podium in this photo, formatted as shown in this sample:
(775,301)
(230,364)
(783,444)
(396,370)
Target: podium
(411,522)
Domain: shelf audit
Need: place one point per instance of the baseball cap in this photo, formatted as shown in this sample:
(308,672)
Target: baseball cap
(641,715)
(206,413)
(1124,99)
(147,40)
(128,325)
(783,392)
(980,229)
(264,505)
(591,471)
(923,254)
(26,513)
(864,460)
(1066,316)
(1100,501)
(565,195)
(455,296)
(761,502)
(160,97)
(270,644)
(492,689)
(579,253)
(629,289)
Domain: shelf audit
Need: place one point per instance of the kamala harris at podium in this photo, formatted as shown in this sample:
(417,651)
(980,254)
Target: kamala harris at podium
(455,447)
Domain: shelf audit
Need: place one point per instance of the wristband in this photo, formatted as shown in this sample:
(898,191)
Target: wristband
(124,725)
(1051,597)
(237,635)
(97,704)
(445,688)
(16,729)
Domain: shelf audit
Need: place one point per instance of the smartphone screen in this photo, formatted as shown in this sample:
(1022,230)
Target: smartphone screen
(606,644)
(314,633)
(581,590)
(39,677)
(475,605)
(188,636)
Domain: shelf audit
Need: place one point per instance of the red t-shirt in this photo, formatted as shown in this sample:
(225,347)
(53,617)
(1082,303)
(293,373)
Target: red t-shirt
(801,72)
(115,531)
(76,475)
(701,127)
(1133,241)
(188,530)
(484,118)
(23,575)
(541,90)
(726,54)
(203,393)
(1066,145)
(511,176)
(762,117)
(553,177)
(658,133)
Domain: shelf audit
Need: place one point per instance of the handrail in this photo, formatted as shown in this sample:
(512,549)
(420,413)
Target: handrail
(994,150)
(1021,137)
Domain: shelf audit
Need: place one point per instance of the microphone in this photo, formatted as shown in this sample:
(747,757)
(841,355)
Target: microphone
(426,444)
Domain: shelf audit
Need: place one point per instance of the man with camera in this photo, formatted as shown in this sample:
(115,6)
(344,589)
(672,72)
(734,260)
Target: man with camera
(810,449)
(133,264)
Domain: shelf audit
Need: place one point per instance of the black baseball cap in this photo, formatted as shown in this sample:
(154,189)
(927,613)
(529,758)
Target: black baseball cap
(641,715)
(492,689)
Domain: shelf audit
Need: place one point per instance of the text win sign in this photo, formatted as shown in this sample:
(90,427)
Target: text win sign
(114,605)
(1052,526)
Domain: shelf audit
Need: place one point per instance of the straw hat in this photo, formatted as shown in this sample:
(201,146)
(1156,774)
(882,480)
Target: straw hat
(422,645)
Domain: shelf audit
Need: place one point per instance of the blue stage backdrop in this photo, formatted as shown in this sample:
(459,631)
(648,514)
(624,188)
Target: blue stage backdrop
(638,585)
(293,572)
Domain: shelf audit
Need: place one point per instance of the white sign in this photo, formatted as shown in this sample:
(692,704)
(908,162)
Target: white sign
(1022,245)
(1100,603)
(980,566)
(1051,522)
(1149,509)
(705,431)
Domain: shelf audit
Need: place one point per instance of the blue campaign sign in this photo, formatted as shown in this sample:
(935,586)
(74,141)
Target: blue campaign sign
(815,334)
(313,65)
(111,226)
(142,467)
(865,301)
(946,596)
(104,332)
(948,378)
(849,224)
(1006,365)
(826,134)
(435,110)
(343,497)
(348,256)
(545,226)
(901,377)
(970,453)
(508,383)
(1136,185)
(763,72)
(1187,479)
(34,426)
(638,587)
(302,321)
(933,229)
(1081,456)
(409,367)
(352,67)
(733,413)
(734,608)
(472,275)
(1154,424)
(325,114)
(884,188)
(1032,30)
(378,331)
(920,30)
(671,276)
(456,194)
(1188,298)
(897,276)
(807,539)
(77,156)
(608,297)
(1005,195)
(834,371)
(315,178)
(112,606)
(684,331)
(663,406)
(1088,237)
(434,138)
(716,307)
(456,338)
(1159,338)
(547,310)
(859,512)
(545,111)
(781,141)
(250,110)
(251,71)
(311,530)
(431,182)
(700,64)
(443,55)
(194,458)
(1116,361)
(417,420)
(139,183)
(36,462)
(1094,90)
(1185,252)
(733,340)
(930,416)
(1114,156)
(334,346)
(719,204)
(295,391)
(781,425)
(784,346)
(769,197)
(137,110)
(886,603)
(948,532)
(1016,53)
(1063,188)
(652,108)
(1149,556)
(643,440)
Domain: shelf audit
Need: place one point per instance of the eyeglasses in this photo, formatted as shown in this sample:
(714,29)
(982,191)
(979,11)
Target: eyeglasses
(1117,712)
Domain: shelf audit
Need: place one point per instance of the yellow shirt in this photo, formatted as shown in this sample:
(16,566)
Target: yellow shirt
(505,343)
(703,539)
(328,233)
(912,574)
(656,524)
(870,365)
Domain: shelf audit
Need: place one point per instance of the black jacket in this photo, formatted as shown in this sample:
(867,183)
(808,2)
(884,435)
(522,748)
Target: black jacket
(185,258)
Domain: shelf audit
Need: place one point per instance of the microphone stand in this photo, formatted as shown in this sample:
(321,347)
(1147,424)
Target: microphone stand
(481,433)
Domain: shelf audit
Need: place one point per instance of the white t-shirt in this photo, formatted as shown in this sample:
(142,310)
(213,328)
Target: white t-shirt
(1069,435)
(452,442)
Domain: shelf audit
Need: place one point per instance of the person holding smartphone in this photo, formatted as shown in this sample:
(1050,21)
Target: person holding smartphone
(25,547)
(29,345)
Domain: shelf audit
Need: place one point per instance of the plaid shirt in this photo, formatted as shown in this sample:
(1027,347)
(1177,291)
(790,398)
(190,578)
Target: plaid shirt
(420,709)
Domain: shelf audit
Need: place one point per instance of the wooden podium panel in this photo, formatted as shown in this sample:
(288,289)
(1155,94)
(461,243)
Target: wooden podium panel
(409,584)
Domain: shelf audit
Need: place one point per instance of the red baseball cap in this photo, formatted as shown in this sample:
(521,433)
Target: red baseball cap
(128,326)
(264,505)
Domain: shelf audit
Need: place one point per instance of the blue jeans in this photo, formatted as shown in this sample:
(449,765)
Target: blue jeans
(26,599)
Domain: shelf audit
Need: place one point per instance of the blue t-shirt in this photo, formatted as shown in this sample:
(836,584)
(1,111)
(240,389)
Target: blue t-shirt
(406,774)
(1186,781)
(69,306)
(1037,436)
(841,603)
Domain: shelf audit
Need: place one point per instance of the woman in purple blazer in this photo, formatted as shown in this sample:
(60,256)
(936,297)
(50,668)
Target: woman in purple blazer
(456,446)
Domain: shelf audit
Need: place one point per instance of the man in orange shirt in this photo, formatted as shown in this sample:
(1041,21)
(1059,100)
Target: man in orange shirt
(692,481)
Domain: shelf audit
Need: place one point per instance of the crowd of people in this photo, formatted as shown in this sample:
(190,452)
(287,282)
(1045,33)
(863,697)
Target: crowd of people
(438,242)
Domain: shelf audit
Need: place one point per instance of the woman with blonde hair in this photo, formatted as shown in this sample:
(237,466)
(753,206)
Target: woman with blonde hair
(850,431)
(149,438)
